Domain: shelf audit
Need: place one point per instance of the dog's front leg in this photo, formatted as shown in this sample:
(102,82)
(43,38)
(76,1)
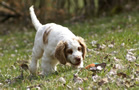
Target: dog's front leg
(48,65)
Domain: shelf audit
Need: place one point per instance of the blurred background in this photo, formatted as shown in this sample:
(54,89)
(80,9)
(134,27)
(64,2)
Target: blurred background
(61,11)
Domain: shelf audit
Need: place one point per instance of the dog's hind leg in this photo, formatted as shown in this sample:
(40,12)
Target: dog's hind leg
(36,54)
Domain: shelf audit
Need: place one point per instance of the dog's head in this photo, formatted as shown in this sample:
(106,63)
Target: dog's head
(72,51)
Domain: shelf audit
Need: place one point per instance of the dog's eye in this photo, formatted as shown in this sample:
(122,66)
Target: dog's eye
(79,48)
(69,51)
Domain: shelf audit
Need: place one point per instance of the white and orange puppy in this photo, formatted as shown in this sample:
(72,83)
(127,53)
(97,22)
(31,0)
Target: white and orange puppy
(55,43)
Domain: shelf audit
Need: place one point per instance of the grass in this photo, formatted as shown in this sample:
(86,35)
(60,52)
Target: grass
(15,48)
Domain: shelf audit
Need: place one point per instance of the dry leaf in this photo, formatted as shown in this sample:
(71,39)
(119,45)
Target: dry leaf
(1,84)
(116,59)
(103,81)
(130,57)
(102,46)
(95,78)
(118,66)
(112,72)
(77,79)
(121,74)
(62,80)
(24,66)
(131,50)
(94,43)
(38,87)
(80,88)
(123,44)
(69,87)
(127,84)
(106,56)
(110,45)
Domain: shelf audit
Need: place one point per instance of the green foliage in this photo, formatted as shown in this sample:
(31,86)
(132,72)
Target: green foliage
(120,30)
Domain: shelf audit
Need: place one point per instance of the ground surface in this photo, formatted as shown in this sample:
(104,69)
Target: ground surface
(111,40)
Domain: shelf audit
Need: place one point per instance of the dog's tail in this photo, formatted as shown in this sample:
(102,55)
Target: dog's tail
(34,19)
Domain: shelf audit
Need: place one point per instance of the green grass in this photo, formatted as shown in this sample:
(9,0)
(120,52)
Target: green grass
(16,47)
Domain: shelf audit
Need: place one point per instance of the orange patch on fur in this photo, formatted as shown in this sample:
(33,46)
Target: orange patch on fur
(45,35)
(82,43)
(60,53)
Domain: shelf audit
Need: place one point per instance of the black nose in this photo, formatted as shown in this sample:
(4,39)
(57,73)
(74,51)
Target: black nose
(78,59)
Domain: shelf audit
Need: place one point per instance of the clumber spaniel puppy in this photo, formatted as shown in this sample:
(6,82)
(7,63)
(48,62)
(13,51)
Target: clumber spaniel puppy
(55,43)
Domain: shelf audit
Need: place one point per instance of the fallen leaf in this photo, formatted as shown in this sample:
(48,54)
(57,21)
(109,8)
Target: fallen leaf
(80,88)
(118,66)
(131,50)
(114,52)
(102,46)
(77,79)
(123,44)
(116,59)
(13,55)
(121,74)
(13,67)
(62,80)
(103,81)
(1,84)
(93,43)
(95,77)
(120,82)
(24,66)
(130,57)
(85,79)
(94,88)
(38,87)
(8,81)
(99,88)
(127,84)
(69,87)
(107,88)
(106,56)
(112,72)
(137,64)
(110,45)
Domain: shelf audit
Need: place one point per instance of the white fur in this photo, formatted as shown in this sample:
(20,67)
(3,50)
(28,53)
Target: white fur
(47,51)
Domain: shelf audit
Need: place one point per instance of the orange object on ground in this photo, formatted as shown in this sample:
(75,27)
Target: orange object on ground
(90,65)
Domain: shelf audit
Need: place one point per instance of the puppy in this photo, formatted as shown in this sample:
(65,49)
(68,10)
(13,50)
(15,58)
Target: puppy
(55,44)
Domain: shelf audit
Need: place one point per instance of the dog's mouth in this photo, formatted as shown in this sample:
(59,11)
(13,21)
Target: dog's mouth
(76,64)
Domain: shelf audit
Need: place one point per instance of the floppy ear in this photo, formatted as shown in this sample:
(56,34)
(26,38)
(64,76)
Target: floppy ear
(60,52)
(82,43)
